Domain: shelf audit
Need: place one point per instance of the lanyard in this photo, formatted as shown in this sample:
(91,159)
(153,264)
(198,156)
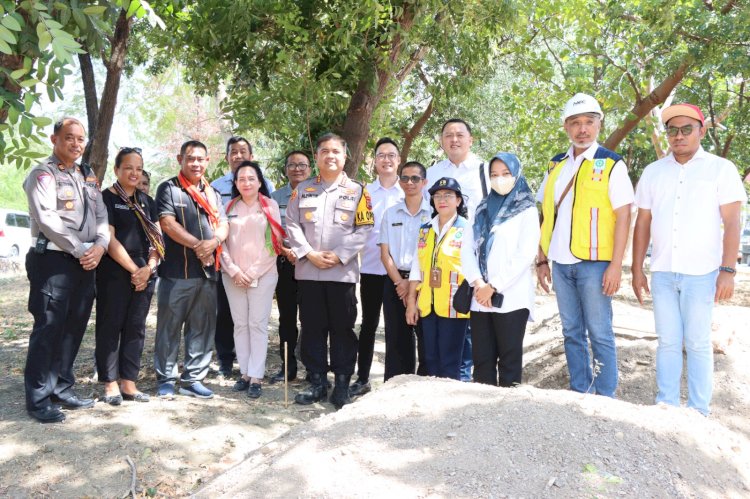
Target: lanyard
(438,244)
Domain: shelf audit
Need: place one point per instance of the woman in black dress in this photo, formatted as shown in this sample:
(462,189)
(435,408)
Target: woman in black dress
(124,280)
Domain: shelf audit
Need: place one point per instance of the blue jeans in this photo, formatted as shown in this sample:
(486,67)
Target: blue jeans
(443,345)
(682,312)
(586,314)
(467,361)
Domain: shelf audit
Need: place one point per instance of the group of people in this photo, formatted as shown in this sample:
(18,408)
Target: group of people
(447,252)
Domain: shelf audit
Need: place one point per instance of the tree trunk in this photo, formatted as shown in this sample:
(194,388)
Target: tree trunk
(100,136)
(356,127)
(415,130)
(10,63)
(90,96)
(642,108)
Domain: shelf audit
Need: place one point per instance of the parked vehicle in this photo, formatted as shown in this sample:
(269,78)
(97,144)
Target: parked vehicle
(744,255)
(15,233)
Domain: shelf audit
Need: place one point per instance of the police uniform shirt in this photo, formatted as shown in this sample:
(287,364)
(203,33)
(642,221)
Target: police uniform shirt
(282,196)
(333,217)
(128,229)
(66,207)
(399,229)
(181,262)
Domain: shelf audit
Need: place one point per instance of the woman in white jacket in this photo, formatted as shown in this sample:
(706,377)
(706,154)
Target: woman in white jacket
(506,235)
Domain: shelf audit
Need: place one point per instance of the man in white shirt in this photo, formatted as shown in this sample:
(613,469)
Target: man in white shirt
(385,192)
(473,177)
(586,197)
(683,199)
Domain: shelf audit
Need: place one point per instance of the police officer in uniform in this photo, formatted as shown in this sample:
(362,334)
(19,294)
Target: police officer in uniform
(70,234)
(328,220)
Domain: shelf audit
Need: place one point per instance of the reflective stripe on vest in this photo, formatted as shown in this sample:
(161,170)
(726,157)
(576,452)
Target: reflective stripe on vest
(592,230)
(440,300)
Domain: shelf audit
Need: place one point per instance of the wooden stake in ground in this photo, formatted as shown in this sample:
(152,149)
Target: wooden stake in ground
(131,492)
(286,380)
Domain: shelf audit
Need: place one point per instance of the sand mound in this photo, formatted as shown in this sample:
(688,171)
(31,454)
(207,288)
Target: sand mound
(426,437)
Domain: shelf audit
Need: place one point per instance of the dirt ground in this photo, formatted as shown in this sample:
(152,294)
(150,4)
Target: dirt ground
(414,437)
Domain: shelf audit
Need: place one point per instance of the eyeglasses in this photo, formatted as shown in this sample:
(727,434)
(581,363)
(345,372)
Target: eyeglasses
(128,150)
(443,197)
(297,166)
(414,179)
(686,130)
(391,155)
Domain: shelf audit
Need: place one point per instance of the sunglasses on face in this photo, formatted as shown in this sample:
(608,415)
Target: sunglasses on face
(686,130)
(414,179)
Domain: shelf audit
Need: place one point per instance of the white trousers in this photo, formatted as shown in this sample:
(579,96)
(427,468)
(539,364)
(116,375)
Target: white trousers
(251,308)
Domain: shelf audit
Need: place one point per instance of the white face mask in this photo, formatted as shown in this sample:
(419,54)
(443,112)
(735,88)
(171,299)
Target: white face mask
(502,185)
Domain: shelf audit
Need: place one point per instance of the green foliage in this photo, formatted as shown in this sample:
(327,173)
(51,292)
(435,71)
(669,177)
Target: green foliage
(39,40)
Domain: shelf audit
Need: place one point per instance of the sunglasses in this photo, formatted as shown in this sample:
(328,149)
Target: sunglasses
(128,150)
(414,179)
(686,130)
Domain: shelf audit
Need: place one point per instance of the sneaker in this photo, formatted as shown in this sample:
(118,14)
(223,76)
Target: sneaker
(254,391)
(241,385)
(165,390)
(359,387)
(196,389)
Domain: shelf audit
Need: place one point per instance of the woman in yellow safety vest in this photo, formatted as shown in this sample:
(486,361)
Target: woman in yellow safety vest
(436,275)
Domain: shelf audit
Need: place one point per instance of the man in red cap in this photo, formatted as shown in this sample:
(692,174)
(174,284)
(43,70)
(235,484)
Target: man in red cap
(683,199)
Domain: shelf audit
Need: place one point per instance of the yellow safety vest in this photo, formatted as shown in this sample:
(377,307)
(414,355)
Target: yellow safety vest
(447,258)
(592,232)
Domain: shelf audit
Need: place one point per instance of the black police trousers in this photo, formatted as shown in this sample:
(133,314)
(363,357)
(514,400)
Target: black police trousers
(224,337)
(328,310)
(61,295)
(286,299)
(121,314)
(371,295)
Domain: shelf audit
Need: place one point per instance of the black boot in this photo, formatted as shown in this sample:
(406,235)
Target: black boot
(316,392)
(340,396)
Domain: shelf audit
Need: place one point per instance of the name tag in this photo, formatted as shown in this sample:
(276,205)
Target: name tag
(180,205)
(122,206)
(397,224)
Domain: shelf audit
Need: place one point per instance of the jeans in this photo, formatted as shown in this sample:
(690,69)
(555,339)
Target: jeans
(586,314)
(682,312)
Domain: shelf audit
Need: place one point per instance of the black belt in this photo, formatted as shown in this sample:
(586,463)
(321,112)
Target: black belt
(404,273)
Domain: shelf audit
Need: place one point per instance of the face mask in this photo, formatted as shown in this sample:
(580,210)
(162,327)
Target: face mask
(502,185)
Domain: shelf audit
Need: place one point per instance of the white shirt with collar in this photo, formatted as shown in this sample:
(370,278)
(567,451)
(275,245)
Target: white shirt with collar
(620,194)
(467,176)
(684,199)
(399,230)
(509,263)
(382,198)
(224,184)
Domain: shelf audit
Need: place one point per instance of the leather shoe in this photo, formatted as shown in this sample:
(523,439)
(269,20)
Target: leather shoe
(279,377)
(49,414)
(111,399)
(359,387)
(73,402)
(254,391)
(136,397)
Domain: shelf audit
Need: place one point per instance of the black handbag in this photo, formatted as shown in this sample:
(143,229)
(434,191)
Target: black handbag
(462,298)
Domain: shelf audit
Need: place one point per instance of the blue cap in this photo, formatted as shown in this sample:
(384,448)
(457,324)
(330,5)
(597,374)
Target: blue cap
(446,183)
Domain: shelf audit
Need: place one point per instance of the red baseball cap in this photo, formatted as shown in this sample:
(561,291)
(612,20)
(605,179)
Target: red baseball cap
(688,110)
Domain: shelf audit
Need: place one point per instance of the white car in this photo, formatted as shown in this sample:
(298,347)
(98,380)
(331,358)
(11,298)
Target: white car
(15,233)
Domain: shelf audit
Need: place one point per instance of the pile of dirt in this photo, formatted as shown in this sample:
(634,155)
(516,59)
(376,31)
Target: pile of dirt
(426,437)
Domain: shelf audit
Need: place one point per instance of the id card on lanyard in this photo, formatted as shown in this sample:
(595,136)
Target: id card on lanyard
(436,273)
